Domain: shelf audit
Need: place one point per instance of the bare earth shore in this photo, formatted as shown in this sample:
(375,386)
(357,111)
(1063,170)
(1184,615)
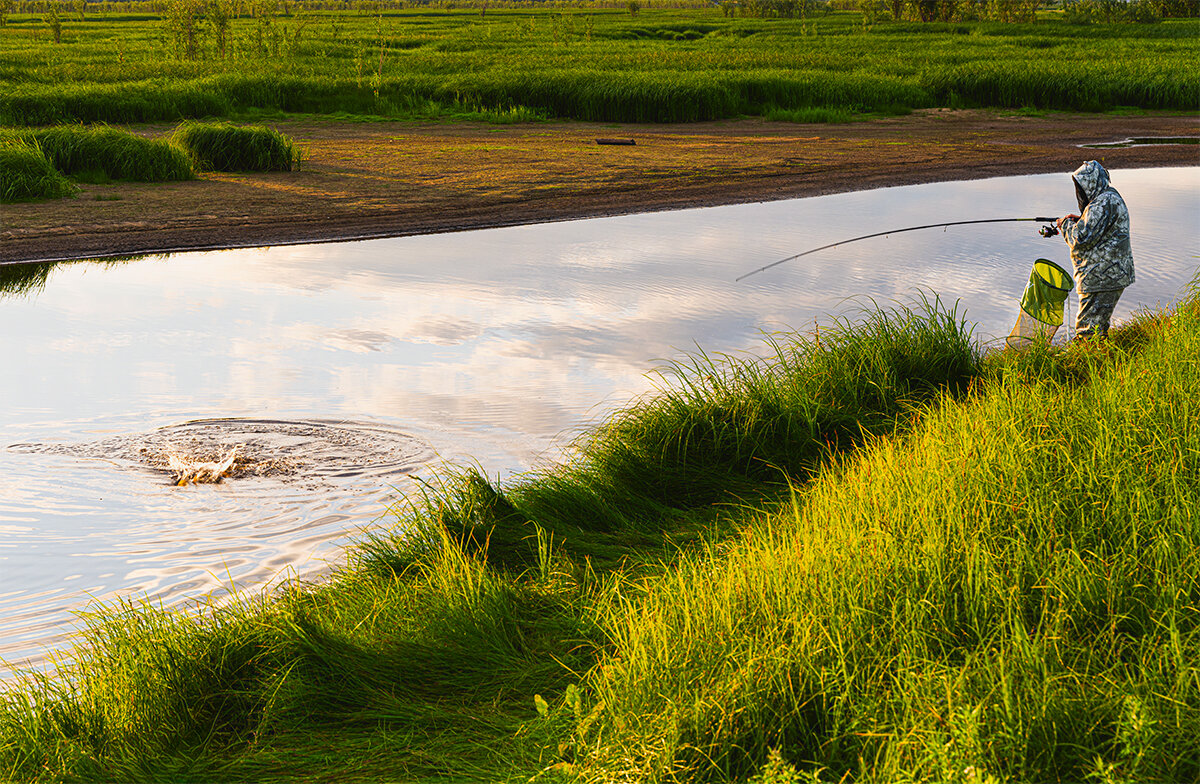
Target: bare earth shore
(390,179)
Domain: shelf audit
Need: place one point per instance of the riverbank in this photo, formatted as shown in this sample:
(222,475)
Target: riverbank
(364,179)
(875,556)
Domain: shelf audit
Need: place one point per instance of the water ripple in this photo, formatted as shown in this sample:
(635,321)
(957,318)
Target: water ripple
(302,488)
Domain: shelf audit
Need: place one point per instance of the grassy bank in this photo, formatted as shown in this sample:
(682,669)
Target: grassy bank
(873,554)
(584,63)
(1009,593)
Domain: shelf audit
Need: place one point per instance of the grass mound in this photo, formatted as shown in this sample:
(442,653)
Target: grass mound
(872,557)
(225,147)
(100,152)
(26,173)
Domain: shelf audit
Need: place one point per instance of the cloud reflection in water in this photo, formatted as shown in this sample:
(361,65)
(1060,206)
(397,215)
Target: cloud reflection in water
(494,345)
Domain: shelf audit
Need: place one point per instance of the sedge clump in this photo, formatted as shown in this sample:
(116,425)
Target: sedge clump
(228,147)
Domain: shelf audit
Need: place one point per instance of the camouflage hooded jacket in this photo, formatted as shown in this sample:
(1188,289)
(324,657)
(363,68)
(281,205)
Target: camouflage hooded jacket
(1099,240)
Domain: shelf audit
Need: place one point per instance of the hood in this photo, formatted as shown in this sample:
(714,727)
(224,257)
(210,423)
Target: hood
(1090,179)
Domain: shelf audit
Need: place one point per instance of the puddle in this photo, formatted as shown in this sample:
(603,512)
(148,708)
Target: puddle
(1142,141)
(342,371)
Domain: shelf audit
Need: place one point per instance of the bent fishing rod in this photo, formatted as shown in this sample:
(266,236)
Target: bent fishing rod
(1045,231)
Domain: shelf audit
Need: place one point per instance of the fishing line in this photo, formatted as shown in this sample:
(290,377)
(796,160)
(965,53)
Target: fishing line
(899,231)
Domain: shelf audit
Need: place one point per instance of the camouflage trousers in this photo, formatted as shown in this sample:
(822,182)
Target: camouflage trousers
(1095,313)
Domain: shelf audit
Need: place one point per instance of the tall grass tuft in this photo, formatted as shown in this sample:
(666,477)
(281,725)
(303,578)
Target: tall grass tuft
(726,422)
(225,147)
(26,173)
(118,155)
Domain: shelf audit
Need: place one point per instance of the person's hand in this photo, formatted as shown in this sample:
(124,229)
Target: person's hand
(1065,218)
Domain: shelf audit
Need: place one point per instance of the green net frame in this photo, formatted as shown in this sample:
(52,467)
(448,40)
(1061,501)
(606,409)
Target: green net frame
(1047,290)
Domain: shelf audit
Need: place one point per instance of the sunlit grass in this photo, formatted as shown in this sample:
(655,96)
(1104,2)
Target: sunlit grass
(873,554)
(1011,589)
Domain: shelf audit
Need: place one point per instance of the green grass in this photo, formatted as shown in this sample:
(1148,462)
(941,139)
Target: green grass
(35,159)
(583,63)
(874,555)
(226,147)
(809,115)
(26,174)
(1012,589)
(99,153)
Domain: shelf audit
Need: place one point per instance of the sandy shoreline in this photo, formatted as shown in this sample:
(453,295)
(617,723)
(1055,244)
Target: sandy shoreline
(369,180)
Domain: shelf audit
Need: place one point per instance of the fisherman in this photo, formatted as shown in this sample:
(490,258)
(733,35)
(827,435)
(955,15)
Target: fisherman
(1099,241)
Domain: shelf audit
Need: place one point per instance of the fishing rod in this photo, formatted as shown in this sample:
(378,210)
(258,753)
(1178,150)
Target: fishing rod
(1045,231)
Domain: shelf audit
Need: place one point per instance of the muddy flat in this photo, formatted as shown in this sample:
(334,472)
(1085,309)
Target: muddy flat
(390,179)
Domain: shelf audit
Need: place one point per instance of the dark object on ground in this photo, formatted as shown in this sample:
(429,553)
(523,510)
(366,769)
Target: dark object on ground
(624,142)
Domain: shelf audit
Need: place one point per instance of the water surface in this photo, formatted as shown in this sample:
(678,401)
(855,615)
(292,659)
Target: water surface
(373,361)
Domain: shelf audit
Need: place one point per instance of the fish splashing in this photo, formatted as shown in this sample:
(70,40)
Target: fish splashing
(194,472)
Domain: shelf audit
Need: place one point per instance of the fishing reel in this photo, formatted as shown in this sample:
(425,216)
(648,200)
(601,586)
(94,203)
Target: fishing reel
(1048,231)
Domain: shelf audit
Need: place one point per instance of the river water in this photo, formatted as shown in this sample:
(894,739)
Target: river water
(342,371)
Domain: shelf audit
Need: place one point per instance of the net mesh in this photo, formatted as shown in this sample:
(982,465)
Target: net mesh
(1028,330)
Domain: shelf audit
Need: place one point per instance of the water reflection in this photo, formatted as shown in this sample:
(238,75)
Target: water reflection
(27,280)
(490,345)
(18,280)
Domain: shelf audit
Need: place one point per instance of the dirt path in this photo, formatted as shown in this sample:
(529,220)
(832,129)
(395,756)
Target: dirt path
(389,179)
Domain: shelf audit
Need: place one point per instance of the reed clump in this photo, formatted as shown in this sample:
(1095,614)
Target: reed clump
(110,153)
(875,556)
(26,174)
(227,147)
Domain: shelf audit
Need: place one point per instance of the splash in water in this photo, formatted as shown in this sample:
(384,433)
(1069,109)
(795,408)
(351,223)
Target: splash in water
(210,450)
(195,472)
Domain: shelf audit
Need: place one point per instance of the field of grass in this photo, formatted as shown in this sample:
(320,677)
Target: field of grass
(587,63)
(875,555)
